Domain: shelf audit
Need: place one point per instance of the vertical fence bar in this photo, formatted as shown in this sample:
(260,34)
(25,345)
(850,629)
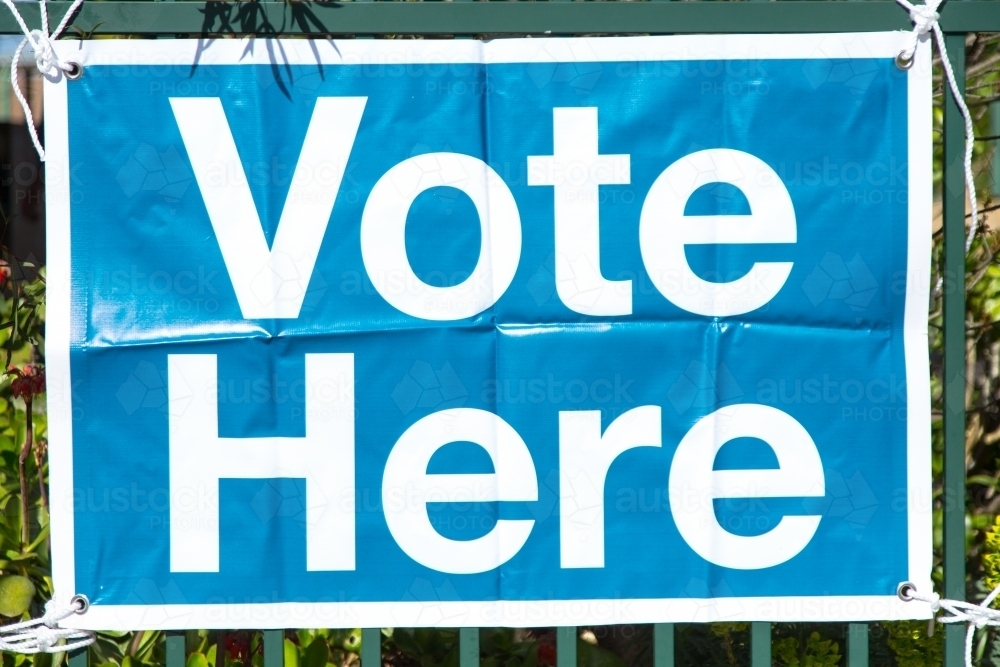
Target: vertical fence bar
(663,645)
(175,649)
(760,644)
(468,647)
(371,647)
(274,648)
(220,649)
(995,132)
(953,202)
(78,658)
(857,645)
(566,647)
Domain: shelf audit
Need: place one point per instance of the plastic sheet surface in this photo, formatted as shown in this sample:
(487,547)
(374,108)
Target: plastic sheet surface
(617,255)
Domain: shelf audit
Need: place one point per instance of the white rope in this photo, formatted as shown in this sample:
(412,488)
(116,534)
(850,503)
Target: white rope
(46,60)
(925,21)
(42,635)
(976,615)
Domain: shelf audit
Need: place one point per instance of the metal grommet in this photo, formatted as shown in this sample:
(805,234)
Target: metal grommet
(904,591)
(80,602)
(73,72)
(904,63)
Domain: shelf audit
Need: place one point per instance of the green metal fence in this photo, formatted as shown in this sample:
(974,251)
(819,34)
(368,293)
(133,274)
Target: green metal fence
(468,18)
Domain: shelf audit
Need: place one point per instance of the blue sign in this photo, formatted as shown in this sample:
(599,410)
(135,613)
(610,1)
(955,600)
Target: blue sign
(521,332)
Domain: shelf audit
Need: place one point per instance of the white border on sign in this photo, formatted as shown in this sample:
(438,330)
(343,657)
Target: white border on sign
(182,53)
(59,389)
(915,341)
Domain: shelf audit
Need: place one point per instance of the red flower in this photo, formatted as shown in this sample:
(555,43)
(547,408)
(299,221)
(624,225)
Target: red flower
(27,382)
(546,654)
(238,646)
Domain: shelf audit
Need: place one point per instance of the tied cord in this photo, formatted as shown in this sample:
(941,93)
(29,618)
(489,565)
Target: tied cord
(925,21)
(46,60)
(41,635)
(976,615)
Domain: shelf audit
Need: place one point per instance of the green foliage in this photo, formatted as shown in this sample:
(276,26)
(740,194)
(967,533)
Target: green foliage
(814,652)
(319,648)
(913,647)
(500,648)
(291,654)
(722,644)
(991,556)
(428,647)
(590,655)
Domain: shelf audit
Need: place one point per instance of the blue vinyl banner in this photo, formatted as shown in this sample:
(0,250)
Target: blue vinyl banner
(521,332)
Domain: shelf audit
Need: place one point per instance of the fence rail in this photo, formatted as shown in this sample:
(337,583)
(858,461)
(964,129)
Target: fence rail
(499,18)
(566,638)
(562,17)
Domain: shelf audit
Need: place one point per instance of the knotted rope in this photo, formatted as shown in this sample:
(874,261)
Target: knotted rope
(925,19)
(46,60)
(976,615)
(42,635)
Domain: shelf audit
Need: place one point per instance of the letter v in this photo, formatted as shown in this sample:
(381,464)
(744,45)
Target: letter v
(269,282)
